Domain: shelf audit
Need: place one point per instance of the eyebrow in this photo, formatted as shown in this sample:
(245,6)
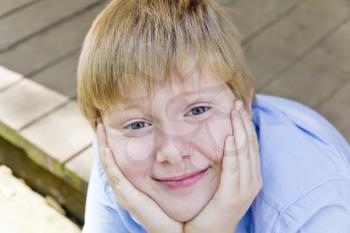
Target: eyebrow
(212,90)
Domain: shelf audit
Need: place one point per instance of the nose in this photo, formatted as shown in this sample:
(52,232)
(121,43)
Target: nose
(171,149)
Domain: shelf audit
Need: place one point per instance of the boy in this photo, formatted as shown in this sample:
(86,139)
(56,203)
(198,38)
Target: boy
(181,134)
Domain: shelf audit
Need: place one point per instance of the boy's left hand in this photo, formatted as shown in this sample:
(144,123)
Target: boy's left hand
(240,179)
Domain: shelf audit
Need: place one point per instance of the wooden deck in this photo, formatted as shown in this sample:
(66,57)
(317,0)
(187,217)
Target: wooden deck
(297,49)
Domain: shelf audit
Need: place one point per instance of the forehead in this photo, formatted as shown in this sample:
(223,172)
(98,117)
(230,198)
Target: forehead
(195,81)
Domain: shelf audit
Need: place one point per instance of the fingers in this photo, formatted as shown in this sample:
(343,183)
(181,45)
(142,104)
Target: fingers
(106,153)
(236,190)
(253,147)
(229,182)
(122,188)
(235,165)
(114,174)
(241,142)
(242,147)
(241,162)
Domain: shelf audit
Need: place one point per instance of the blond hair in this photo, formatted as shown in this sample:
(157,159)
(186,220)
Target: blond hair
(130,39)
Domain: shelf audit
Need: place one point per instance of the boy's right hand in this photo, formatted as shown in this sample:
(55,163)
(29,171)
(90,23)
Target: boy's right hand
(142,207)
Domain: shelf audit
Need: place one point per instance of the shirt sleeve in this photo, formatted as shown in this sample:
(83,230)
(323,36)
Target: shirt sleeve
(325,209)
(328,219)
(100,215)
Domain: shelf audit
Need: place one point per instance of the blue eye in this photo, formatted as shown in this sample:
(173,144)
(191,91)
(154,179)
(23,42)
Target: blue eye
(141,124)
(137,125)
(199,110)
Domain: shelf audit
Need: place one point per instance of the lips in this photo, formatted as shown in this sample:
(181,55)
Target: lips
(182,177)
(187,181)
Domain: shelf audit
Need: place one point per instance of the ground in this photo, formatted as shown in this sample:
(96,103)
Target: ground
(23,210)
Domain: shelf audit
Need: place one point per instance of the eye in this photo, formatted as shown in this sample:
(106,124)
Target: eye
(199,110)
(137,125)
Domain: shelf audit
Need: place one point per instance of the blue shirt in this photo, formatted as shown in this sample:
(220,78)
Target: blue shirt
(305,164)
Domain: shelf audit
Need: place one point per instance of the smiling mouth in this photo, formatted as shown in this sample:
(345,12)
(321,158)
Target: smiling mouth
(184,182)
(182,177)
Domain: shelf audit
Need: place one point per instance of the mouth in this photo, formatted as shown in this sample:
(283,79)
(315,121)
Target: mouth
(184,180)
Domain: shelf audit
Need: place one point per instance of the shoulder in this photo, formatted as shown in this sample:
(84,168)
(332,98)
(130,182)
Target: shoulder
(302,117)
(304,159)
(325,208)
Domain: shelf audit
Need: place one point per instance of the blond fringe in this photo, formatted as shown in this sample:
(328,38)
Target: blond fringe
(148,40)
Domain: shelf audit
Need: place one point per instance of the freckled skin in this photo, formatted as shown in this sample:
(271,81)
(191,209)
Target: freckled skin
(172,143)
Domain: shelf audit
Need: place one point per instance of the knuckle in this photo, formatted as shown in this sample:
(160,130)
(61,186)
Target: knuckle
(115,181)
(252,141)
(235,201)
(242,149)
(257,189)
(109,171)
(243,143)
(230,165)
(228,149)
(250,193)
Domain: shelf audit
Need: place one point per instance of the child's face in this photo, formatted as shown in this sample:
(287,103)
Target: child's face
(170,135)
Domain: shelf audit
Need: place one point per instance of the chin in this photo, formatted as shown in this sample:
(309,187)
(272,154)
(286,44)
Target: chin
(183,212)
(183,208)
(184,216)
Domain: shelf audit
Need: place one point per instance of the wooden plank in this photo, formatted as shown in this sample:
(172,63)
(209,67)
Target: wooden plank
(18,201)
(275,49)
(255,15)
(25,23)
(7,6)
(8,77)
(25,102)
(60,77)
(319,74)
(46,48)
(82,164)
(61,134)
(41,178)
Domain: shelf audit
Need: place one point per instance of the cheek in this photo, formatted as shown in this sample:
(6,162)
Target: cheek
(218,128)
(209,141)
(133,155)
